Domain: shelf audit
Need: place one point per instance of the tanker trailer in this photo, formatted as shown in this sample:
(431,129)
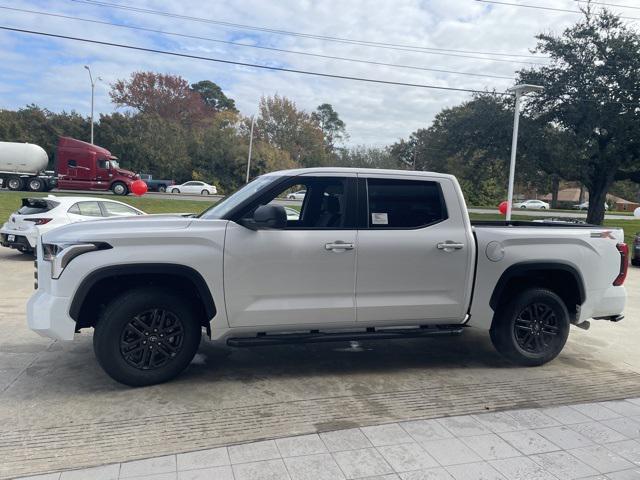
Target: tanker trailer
(22,167)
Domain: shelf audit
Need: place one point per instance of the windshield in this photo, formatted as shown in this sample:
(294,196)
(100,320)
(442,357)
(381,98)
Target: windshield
(224,206)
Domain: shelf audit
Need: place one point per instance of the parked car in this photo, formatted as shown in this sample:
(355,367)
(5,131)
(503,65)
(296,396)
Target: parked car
(194,187)
(585,206)
(154,185)
(532,205)
(249,276)
(636,250)
(39,215)
(299,195)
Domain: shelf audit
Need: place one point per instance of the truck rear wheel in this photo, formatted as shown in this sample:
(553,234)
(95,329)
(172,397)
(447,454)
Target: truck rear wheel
(146,336)
(15,183)
(36,185)
(532,328)
(119,188)
(162,188)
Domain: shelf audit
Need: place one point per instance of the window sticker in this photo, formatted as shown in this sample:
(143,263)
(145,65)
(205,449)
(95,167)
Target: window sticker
(379,219)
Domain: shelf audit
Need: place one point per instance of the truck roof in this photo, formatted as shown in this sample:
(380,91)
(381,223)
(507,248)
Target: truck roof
(68,142)
(342,170)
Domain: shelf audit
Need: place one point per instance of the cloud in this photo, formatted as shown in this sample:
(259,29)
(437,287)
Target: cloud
(49,72)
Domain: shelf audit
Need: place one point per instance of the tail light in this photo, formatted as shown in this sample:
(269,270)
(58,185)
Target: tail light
(39,221)
(623,248)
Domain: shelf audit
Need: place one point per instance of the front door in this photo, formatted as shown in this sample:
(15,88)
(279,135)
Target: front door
(414,253)
(303,273)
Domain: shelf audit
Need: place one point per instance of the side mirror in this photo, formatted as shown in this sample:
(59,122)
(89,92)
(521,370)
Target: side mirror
(268,217)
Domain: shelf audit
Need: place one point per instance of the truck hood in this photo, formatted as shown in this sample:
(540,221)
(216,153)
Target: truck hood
(125,173)
(113,228)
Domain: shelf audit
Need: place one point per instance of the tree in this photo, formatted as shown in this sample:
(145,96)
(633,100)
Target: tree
(333,128)
(282,125)
(213,96)
(167,96)
(591,93)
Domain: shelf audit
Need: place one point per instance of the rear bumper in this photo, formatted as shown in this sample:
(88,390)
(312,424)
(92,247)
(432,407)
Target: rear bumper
(20,240)
(48,316)
(609,305)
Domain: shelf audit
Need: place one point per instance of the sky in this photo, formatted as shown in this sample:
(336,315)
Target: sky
(50,72)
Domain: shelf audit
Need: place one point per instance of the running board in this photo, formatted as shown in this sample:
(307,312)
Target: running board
(315,336)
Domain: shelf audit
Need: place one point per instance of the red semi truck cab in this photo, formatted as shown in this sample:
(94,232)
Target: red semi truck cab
(83,166)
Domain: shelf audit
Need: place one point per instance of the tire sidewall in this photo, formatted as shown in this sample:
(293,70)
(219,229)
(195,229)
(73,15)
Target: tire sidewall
(16,182)
(503,331)
(119,186)
(106,339)
(39,185)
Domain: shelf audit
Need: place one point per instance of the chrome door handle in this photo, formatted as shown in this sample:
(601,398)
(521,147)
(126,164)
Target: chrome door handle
(449,246)
(338,246)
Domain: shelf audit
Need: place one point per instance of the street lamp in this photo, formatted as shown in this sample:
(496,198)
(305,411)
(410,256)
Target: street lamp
(253,123)
(519,90)
(93,87)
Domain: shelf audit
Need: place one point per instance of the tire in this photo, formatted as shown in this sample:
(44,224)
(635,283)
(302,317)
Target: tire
(116,330)
(204,192)
(119,188)
(175,190)
(162,188)
(36,185)
(543,208)
(523,207)
(15,183)
(534,311)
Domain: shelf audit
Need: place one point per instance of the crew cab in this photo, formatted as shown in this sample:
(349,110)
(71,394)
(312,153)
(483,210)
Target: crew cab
(373,254)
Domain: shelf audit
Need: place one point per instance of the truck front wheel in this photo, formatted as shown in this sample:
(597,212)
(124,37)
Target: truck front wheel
(119,188)
(146,336)
(532,328)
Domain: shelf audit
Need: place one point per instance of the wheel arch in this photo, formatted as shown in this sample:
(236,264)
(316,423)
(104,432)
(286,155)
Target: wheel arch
(562,278)
(104,284)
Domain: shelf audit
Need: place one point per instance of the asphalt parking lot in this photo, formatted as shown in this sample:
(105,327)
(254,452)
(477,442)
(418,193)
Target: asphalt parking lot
(58,409)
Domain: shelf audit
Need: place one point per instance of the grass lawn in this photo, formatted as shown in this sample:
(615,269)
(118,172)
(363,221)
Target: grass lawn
(10,202)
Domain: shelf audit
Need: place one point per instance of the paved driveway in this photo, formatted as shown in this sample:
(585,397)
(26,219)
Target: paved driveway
(59,410)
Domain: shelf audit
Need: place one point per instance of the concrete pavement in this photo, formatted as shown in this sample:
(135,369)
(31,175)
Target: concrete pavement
(590,441)
(58,410)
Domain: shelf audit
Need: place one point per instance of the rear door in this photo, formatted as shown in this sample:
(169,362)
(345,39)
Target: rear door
(415,251)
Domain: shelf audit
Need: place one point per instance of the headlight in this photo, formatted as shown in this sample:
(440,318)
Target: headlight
(60,254)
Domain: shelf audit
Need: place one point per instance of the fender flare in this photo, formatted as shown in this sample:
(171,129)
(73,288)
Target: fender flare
(521,268)
(133,269)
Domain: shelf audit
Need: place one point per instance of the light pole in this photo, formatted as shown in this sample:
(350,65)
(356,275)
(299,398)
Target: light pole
(93,87)
(253,123)
(519,90)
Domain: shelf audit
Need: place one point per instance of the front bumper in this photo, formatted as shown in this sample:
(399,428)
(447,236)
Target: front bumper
(48,316)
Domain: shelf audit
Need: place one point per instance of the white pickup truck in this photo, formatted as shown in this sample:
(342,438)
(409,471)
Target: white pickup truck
(373,254)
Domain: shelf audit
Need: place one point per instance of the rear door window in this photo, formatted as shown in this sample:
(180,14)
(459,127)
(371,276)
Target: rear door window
(87,209)
(404,204)
(113,209)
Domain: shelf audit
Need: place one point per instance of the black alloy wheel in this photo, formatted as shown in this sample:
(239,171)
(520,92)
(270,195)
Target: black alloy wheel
(152,339)
(536,328)
(147,335)
(532,327)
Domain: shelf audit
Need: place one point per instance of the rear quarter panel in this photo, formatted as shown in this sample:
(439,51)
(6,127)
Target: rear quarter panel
(596,260)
